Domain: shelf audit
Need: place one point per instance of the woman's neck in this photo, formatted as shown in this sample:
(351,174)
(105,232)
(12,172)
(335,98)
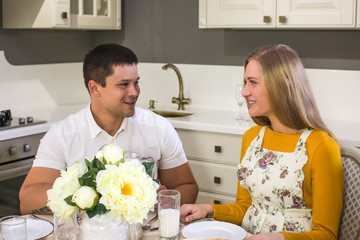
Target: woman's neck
(281,128)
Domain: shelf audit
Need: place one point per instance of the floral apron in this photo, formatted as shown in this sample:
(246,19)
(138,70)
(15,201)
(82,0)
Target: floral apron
(274,180)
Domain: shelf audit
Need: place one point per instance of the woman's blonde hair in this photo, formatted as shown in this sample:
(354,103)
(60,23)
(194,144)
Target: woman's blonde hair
(288,90)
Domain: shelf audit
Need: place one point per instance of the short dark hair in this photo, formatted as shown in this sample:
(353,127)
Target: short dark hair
(100,61)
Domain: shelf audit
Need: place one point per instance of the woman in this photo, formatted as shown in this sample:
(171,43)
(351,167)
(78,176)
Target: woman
(290,175)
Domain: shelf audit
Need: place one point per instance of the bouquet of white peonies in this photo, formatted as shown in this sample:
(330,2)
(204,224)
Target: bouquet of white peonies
(108,183)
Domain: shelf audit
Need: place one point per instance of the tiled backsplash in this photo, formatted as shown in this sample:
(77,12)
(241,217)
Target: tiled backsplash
(212,87)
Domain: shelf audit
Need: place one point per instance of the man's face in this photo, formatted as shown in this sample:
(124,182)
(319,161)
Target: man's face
(122,89)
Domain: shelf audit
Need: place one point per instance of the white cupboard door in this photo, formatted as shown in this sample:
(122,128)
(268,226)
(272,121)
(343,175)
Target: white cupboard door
(358,14)
(211,147)
(316,13)
(215,178)
(205,197)
(61,13)
(240,13)
(99,14)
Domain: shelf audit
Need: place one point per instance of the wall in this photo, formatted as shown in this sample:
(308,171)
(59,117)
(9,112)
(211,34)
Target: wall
(167,31)
(44,90)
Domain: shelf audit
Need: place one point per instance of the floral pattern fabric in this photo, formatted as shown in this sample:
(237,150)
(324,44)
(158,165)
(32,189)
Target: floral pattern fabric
(274,180)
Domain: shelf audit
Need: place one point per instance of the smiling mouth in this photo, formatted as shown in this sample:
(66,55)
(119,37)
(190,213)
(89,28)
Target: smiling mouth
(250,103)
(131,102)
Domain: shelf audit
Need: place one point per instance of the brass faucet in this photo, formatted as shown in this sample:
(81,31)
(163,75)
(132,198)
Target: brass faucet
(181,101)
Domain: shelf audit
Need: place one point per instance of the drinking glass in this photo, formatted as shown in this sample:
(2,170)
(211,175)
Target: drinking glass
(132,155)
(13,228)
(169,214)
(66,230)
(240,100)
(243,115)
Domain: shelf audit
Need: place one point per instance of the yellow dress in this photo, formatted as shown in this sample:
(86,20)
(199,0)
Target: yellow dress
(322,186)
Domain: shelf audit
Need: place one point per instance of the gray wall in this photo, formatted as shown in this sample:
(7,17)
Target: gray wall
(167,31)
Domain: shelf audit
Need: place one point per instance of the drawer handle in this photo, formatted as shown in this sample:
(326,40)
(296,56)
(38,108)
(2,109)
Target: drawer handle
(64,15)
(282,19)
(217,180)
(217,149)
(217,202)
(267,19)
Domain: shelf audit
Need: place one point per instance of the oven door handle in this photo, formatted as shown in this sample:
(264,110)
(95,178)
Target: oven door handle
(15,169)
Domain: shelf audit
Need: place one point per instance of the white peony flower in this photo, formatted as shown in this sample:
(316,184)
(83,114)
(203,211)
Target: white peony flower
(85,197)
(110,154)
(127,191)
(65,185)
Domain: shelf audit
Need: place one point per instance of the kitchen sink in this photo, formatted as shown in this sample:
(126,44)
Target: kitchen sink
(167,113)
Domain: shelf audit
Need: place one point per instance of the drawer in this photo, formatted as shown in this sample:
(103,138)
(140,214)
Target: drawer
(215,178)
(213,147)
(205,197)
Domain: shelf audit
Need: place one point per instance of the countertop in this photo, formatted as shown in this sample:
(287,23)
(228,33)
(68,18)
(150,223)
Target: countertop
(347,132)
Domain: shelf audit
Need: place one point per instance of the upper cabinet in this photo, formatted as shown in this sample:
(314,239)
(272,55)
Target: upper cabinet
(62,14)
(358,14)
(277,13)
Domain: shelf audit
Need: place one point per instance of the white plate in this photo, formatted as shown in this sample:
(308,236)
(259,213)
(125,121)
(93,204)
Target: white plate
(37,228)
(214,229)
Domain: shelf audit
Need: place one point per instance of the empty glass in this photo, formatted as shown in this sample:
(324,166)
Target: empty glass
(243,115)
(13,228)
(66,230)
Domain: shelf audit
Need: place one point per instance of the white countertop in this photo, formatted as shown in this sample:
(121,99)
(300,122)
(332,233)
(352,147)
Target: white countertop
(347,132)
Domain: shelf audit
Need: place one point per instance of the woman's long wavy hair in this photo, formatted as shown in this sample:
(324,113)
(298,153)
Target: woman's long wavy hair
(288,90)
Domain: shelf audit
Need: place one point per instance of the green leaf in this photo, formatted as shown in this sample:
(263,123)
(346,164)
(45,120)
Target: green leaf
(87,163)
(98,164)
(89,178)
(149,166)
(98,209)
(68,201)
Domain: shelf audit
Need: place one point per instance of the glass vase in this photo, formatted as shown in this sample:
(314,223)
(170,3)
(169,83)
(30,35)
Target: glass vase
(103,227)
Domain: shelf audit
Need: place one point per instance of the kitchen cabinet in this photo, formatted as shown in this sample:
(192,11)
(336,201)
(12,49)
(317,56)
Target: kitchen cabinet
(277,14)
(62,14)
(358,14)
(213,158)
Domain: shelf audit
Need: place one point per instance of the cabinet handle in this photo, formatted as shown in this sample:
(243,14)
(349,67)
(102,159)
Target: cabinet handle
(217,180)
(217,149)
(267,19)
(282,19)
(217,201)
(64,15)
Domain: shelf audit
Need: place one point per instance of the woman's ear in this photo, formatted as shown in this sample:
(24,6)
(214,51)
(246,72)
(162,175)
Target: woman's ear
(93,88)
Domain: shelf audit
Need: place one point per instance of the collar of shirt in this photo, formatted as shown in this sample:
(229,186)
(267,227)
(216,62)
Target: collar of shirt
(95,129)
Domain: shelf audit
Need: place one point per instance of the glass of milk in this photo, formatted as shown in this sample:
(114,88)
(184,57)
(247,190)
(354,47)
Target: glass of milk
(169,214)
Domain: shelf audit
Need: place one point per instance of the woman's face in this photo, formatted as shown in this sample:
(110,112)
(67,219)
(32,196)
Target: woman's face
(254,91)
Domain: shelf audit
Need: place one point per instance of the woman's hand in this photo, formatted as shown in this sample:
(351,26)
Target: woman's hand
(191,212)
(267,236)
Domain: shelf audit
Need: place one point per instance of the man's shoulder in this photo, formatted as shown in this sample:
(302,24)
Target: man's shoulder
(71,122)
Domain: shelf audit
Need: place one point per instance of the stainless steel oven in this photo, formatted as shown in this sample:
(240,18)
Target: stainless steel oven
(16,158)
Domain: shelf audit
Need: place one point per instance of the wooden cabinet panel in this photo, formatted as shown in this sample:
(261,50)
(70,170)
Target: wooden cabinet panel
(212,147)
(306,14)
(316,13)
(216,178)
(62,14)
(205,197)
(213,158)
(245,13)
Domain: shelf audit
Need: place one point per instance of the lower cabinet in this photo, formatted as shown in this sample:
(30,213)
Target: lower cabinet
(213,158)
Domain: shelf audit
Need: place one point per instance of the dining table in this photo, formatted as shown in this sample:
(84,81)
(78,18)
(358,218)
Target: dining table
(150,234)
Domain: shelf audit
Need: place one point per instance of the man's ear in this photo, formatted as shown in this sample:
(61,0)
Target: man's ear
(94,88)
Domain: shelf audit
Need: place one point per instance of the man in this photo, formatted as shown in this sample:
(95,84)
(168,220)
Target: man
(111,77)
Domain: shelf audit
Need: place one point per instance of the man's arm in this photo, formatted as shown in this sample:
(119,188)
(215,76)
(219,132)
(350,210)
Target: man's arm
(33,196)
(181,179)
